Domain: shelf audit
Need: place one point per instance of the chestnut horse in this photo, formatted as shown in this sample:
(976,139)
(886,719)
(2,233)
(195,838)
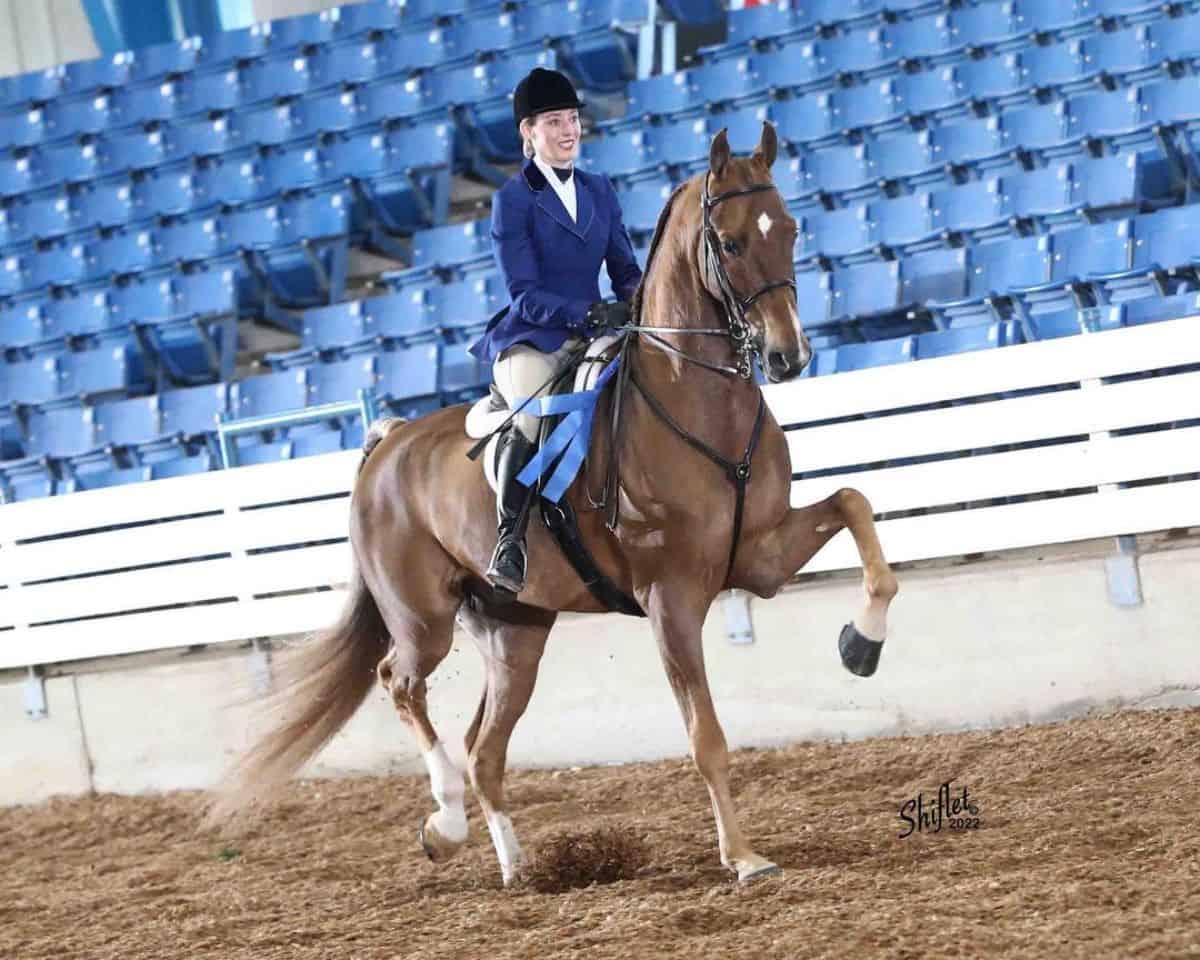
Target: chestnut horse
(422,523)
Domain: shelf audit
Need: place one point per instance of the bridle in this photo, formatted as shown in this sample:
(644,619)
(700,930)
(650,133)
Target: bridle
(745,344)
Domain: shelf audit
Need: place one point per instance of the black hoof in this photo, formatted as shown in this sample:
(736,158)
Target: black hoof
(859,655)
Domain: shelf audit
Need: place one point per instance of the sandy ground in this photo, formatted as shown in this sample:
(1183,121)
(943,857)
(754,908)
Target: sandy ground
(1088,846)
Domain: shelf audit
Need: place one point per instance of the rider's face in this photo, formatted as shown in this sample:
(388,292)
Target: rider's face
(555,136)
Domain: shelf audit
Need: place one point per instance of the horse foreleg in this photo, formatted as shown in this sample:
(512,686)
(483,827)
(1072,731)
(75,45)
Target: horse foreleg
(782,552)
(512,652)
(678,628)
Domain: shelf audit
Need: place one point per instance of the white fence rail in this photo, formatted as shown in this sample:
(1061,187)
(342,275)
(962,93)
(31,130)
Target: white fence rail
(235,554)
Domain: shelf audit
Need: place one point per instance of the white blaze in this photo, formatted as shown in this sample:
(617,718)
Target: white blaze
(764,224)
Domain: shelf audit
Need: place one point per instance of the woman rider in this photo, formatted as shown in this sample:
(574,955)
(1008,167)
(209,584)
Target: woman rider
(552,228)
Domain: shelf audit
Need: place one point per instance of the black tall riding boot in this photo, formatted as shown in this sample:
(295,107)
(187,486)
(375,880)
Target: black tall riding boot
(513,503)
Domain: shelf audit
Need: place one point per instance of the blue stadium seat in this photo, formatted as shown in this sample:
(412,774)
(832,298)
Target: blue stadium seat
(70,163)
(139,300)
(842,170)
(902,221)
(274,78)
(1053,16)
(460,246)
(170,190)
(404,317)
(64,264)
(1170,101)
(1105,183)
(193,411)
(462,308)
(1041,129)
(1154,309)
(22,325)
(247,228)
(287,33)
(836,233)
(1101,115)
(775,21)
(128,423)
(945,343)
(200,138)
(104,203)
(1055,66)
(18,174)
(419,49)
(921,39)
(83,314)
(230,47)
(134,150)
(867,106)
(937,92)
(181,466)
(40,219)
(620,154)
(347,63)
(211,92)
(805,120)
(233,178)
(987,25)
(666,94)
(203,293)
(326,113)
(265,125)
(113,369)
(30,381)
(1125,53)
(1175,40)
(865,290)
(67,118)
(352,19)
(997,80)
(186,241)
(386,100)
(24,129)
(270,393)
(335,326)
(640,207)
(932,275)
(165,59)
(62,432)
(324,437)
(408,379)
(311,267)
(978,207)
(791,69)
(340,380)
(38,86)
(861,356)
(855,52)
(1163,259)
(814,298)
(124,251)
(292,168)
(143,105)
(1045,195)
(89,77)
(725,82)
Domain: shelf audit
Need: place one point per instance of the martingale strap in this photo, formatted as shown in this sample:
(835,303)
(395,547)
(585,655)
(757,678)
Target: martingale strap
(738,473)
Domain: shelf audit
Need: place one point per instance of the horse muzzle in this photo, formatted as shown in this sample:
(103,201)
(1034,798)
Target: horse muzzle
(784,365)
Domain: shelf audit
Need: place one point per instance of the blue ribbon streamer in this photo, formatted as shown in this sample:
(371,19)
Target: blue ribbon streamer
(570,438)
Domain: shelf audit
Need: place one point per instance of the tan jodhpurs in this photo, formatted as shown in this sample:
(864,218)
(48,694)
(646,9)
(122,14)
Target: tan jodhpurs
(521,370)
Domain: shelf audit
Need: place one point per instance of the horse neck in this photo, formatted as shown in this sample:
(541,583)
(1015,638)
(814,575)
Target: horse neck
(717,407)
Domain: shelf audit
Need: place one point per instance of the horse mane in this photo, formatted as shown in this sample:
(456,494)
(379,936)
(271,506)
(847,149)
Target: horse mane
(635,306)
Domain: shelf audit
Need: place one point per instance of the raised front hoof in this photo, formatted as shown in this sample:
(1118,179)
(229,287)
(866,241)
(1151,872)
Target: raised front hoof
(859,655)
(754,872)
(437,848)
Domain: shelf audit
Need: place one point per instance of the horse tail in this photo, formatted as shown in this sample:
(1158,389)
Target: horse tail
(324,682)
(375,433)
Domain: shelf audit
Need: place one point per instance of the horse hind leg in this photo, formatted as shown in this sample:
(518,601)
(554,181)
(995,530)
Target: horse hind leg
(420,618)
(512,649)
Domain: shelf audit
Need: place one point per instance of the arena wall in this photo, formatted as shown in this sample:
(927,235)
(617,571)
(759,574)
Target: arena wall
(1027,636)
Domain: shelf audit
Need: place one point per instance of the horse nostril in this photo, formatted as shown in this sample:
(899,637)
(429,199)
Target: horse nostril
(778,361)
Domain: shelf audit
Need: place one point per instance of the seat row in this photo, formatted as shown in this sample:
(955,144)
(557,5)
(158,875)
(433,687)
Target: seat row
(1024,74)
(1143,257)
(250,175)
(936,27)
(272,229)
(351,44)
(899,144)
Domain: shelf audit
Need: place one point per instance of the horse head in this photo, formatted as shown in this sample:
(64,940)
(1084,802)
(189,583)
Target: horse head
(745,254)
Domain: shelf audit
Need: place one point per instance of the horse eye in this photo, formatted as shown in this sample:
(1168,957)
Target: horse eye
(730,247)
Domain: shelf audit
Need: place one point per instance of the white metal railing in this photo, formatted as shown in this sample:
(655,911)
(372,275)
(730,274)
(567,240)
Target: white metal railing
(234,554)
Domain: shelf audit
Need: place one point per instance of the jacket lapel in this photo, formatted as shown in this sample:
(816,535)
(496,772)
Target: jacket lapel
(547,199)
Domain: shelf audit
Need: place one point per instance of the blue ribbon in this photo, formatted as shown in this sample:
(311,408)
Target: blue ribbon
(570,438)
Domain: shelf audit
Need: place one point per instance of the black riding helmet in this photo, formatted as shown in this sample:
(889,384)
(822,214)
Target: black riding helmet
(543,90)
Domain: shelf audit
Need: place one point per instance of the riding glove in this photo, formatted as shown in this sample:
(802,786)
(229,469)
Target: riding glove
(607,316)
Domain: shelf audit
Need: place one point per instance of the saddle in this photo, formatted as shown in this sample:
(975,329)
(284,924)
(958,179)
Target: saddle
(487,417)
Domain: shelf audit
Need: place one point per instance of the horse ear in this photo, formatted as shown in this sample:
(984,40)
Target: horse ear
(768,146)
(718,153)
